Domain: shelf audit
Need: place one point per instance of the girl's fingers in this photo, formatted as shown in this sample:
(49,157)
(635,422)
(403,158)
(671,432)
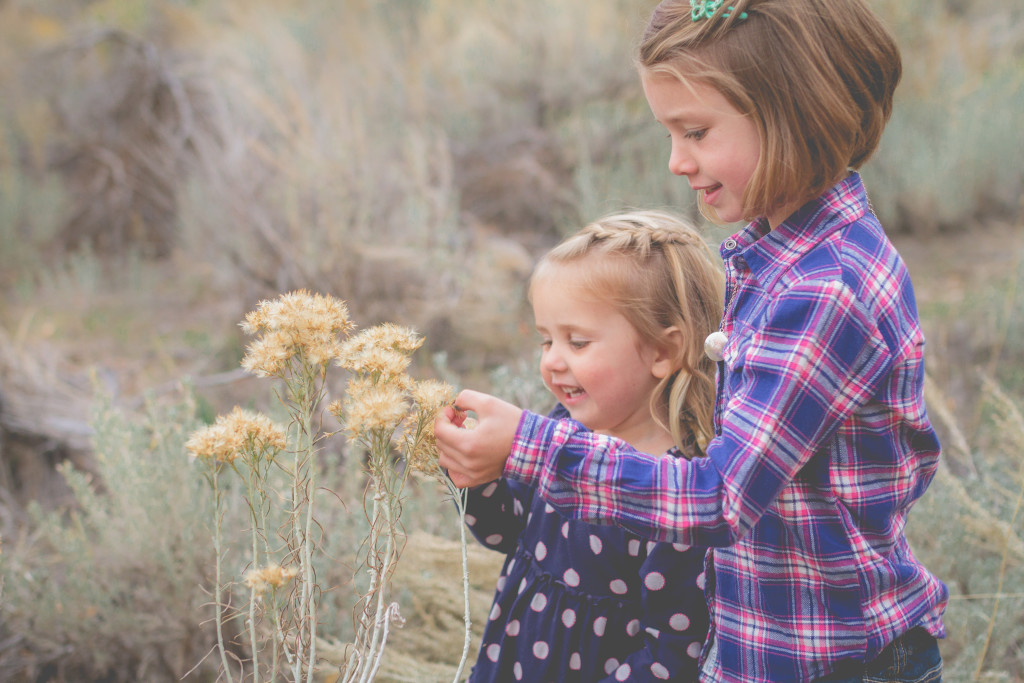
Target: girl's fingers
(476,456)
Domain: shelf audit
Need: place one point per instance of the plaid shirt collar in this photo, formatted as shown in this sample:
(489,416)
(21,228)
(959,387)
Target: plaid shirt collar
(770,253)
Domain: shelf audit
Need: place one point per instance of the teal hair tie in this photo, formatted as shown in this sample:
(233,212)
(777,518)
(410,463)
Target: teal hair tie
(705,9)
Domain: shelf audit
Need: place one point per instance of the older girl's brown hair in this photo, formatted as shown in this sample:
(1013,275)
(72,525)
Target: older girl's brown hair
(816,76)
(658,272)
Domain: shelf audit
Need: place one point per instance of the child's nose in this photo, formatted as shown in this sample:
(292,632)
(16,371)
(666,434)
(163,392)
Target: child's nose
(680,162)
(551,360)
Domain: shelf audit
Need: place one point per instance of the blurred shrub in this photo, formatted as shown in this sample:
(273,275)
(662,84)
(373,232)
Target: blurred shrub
(387,150)
(107,590)
(949,156)
(968,530)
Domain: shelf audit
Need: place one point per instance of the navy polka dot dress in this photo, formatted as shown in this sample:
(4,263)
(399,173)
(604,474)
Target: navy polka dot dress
(580,602)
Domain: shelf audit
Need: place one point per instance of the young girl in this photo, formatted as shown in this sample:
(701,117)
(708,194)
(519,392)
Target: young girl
(622,309)
(822,442)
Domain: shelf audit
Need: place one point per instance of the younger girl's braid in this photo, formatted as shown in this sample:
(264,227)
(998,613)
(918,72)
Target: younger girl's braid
(640,231)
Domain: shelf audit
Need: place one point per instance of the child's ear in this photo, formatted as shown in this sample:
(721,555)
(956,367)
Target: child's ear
(667,352)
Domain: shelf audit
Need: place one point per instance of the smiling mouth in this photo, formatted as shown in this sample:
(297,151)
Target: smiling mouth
(572,392)
(709,190)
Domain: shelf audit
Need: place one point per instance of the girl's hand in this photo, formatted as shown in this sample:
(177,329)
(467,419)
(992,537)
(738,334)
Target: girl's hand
(476,456)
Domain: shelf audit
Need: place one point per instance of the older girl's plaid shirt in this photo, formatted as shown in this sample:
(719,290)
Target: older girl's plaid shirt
(823,444)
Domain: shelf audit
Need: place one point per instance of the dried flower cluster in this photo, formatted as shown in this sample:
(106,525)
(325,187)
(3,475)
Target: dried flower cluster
(301,324)
(381,398)
(235,434)
(272,576)
(430,396)
(387,413)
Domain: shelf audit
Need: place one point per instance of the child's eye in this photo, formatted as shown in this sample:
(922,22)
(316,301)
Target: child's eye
(578,343)
(545,344)
(697,134)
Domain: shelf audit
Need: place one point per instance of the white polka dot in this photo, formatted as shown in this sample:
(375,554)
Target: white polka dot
(517,508)
(471,520)
(694,650)
(619,587)
(569,618)
(540,552)
(681,547)
(548,509)
(679,621)
(622,673)
(565,530)
(540,650)
(490,489)
(651,545)
(633,547)
(701,580)
(493,539)
(511,563)
(655,633)
(633,627)
(659,671)
(522,586)
(611,665)
(600,624)
(501,583)
(512,628)
(539,602)
(517,671)
(595,544)
(495,612)
(493,650)
(571,578)
(575,663)
(654,581)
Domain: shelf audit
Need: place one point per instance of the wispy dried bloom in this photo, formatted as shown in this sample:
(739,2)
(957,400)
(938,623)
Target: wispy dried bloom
(384,363)
(430,396)
(233,434)
(371,406)
(382,351)
(387,336)
(272,576)
(295,323)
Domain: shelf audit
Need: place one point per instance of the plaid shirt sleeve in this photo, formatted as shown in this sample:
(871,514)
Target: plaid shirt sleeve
(816,356)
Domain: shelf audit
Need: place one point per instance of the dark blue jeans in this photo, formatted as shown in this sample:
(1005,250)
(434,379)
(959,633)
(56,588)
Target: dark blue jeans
(912,658)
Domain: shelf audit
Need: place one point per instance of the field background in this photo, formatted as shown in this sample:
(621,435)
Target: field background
(164,165)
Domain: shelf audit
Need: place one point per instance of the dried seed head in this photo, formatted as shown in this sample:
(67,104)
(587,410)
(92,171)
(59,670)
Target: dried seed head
(370,407)
(383,350)
(234,434)
(271,576)
(431,395)
(295,323)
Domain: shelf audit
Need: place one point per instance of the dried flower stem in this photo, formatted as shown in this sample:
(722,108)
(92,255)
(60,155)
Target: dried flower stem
(460,498)
(218,511)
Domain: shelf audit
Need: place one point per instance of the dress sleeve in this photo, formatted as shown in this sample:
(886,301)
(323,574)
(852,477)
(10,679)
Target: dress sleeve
(815,358)
(675,617)
(496,513)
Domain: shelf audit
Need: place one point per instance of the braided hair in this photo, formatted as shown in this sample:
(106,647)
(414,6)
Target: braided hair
(658,272)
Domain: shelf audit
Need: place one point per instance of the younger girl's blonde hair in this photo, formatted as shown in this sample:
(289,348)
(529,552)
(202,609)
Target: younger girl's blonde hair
(658,272)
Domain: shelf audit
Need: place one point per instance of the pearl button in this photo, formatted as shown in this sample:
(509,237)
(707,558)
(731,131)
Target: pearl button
(714,345)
